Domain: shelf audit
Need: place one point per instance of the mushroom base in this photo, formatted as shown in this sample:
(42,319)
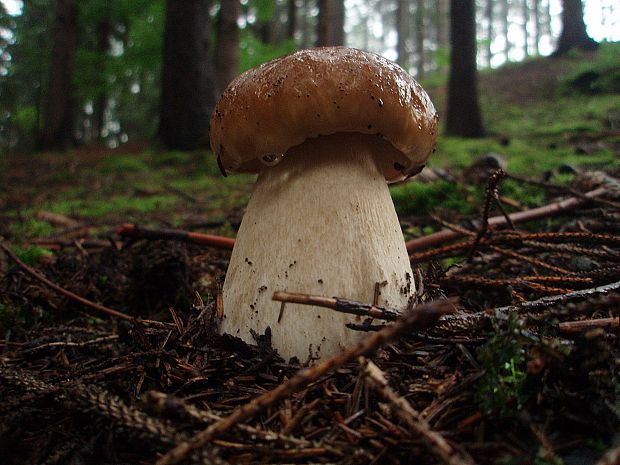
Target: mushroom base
(320,222)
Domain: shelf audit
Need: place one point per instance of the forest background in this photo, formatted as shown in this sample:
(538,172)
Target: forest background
(75,73)
(108,193)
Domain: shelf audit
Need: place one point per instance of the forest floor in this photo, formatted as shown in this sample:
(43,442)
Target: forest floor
(525,371)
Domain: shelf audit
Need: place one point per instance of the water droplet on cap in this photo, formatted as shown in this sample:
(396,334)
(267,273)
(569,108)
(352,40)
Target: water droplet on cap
(271,159)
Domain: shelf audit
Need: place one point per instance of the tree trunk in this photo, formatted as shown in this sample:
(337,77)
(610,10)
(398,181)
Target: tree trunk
(104,28)
(402,29)
(488,13)
(188,83)
(307,26)
(506,28)
(441,33)
(574,33)
(419,34)
(526,36)
(226,54)
(442,29)
(464,118)
(291,19)
(331,23)
(57,131)
(537,26)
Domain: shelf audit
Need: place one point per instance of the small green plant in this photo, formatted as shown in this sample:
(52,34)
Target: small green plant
(502,388)
(32,254)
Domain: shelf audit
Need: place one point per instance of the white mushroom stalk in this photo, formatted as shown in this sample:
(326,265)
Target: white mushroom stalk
(335,125)
(320,222)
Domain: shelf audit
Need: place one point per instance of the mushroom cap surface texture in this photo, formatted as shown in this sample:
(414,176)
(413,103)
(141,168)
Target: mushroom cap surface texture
(271,108)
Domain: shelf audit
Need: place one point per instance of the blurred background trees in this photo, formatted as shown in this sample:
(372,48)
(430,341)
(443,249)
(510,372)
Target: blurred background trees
(188,89)
(103,72)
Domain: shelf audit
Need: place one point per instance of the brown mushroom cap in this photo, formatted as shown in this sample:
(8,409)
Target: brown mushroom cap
(278,105)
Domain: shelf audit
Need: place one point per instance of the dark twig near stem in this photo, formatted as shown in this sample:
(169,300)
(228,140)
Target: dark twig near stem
(340,305)
(422,316)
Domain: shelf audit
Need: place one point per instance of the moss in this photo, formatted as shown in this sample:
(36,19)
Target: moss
(415,198)
(123,164)
(31,255)
(29,228)
(98,207)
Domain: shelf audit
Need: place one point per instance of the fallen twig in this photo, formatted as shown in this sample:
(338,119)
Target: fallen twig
(571,327)
(548,301)
(492,193)
(529,239)
(403,410)
(56,219)
(467,321)
(165,403)
(88,303)
(135,232)
(38,276)
(340,305)
(564,189)
(545,211)
(422,316)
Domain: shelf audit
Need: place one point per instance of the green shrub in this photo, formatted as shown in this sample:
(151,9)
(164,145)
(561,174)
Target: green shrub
(502,388)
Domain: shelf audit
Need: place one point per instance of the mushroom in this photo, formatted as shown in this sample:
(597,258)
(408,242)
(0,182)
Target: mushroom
(324,128)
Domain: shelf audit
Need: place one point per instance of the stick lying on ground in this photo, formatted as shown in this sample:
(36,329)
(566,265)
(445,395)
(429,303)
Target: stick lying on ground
(436,443)
(440,237)
(35,274)
(446,235)
(95,306)
(338,304)
(135,232)
(581,326)
(420,317)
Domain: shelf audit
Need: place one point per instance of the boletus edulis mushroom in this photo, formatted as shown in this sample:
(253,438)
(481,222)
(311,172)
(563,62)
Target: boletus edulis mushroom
(325,129)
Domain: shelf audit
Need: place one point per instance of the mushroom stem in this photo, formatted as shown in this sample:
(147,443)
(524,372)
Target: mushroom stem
(320,222)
